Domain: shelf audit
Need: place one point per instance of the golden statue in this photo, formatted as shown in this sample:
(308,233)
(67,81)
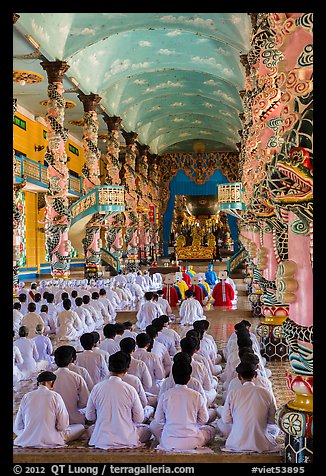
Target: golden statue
(196,237)
(181,241)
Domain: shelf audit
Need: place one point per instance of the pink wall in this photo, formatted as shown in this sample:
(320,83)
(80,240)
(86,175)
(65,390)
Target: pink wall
(270,271)
(301,311)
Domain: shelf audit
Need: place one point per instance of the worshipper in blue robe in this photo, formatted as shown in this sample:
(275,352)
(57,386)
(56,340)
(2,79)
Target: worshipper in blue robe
(211,276)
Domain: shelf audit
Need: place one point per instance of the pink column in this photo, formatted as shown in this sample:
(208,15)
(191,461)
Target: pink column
(301,311)
(57,216)
(269,272)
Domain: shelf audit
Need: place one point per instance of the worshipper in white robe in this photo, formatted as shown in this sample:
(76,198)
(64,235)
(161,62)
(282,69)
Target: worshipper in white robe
(153,362)
(128,331)
(78,369)
(159,349)
(92,361)
(147,311)
(155,301)
(23,303)
(96,316)
(17,359)
(49,324)
(109,305)
(101,310)
(181,416)
(73,296)
(84,315)
(60,297)
(141,281)
(190,309)
(116,408)
(120,328)
(157,280)
(120,278)
(193,383)
(148,280)
(199,371)
(43,345)
(38,302)
(166,339)
(52,308)
(69,326)
(31,319)
(167,330)
(96,347)
(112,295)
(208,342)
(31,290)
(233,337)
(126,298)
(138,367)
(203,354)
(136,291)
(109,344)
(17,316)
(203,358)
(71,386)
(251,411)
(28,352)
(164,303)
(42,420)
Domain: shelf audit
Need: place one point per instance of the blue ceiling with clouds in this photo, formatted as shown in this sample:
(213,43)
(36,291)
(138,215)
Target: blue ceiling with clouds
(174,78)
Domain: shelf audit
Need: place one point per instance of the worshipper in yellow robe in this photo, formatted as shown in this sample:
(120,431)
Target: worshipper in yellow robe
(181,284)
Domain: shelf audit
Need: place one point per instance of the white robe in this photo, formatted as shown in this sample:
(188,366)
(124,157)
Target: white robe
(190,311)
(117,409)
(70,327)
(94,363)
(147,312)
(168,341)
(161,351)
(44,348)
(17,319)
(164,303)
(30,355)
(83,373)
(30,320)
(111,346)
(112,313)
(250,409)
(172,334)
(182,413)
(49,323)
(74,392)
(86,318)
(41,420)
(17,359)
(193,383)
(97,318)
(154,366)
(139,369)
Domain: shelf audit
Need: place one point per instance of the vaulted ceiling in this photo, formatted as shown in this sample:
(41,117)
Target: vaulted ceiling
(174,78)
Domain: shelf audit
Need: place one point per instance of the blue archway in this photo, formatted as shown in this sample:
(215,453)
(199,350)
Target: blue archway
(181,184)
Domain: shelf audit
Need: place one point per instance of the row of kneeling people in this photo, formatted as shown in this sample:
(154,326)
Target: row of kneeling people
(136,398)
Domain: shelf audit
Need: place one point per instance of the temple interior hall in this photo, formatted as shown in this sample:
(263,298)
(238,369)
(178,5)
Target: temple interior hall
(163,166)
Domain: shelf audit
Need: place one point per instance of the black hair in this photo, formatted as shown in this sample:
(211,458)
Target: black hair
(189,293)
(45,294)
(158,323)
(64,295)
(46,376)
(63,356)
(181,372)
(95,295)
(164,318)
(143,339)
(244,350)
(151,331)
(110,331)
(119,327)
(44,308)
(189,344)
(86,299)
(17,305)
(238,326)
(23,331)
(160,292)
(96,336)
(66,304)
(127,344)
(31,307)
(148,295)
(243,340)
(102,292)
(246,370)
(119,362)
(127,324)
(22,297)
(50,298)
(87,340)
(246,323)
(78,301)
(37,297)
(201,324)
(195,333)
(74,293)
(250,357)
(182,356)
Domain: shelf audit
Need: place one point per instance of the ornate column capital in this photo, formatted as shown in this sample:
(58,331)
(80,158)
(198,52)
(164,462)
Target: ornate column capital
(113,122)
(130,137)
(15,17)
(143,149)
(89,101)
(55,70)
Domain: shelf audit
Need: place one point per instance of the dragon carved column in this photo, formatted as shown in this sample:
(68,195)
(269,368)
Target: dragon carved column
(113,234)
(131,234)
(16,223)
(91,173)
(143,200)
(57,214)
(153,186)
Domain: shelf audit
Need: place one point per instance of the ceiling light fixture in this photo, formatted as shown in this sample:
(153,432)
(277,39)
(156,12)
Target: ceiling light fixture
(34,43)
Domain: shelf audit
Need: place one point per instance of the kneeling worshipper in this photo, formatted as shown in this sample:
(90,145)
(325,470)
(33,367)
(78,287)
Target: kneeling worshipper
(181,416)
(92,361)
(116,409)
(42,420)
(69,325)
(147,311)
(211,276)
(29,354)
(180,283)
(31,319)
(164,303)
(17,316)
(170,293)
(17,359)
(251,412)
(43,345)
(199,293)
(190,309)
(223,293)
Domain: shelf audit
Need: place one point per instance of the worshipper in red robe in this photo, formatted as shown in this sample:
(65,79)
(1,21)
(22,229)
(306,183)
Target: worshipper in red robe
(197,290)
(170,293)
(223,293)
(185,276)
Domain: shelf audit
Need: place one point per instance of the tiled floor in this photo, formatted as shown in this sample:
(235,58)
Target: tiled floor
(221,326)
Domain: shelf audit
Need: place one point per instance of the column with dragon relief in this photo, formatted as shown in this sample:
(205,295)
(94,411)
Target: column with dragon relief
(144,203)
(114,231)
(131,230)
(155,210)
(91,173)
(57,214)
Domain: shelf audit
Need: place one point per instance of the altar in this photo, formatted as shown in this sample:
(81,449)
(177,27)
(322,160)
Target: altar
(191,253)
